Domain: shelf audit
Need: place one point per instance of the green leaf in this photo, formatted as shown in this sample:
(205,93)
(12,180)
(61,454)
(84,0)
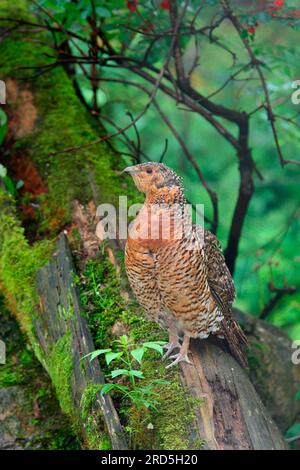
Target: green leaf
(124,339)
(138,354)
(136,373)
(156,345)
(111,356)
(160,381)
(298,395)
(101,98)
(108,387)
(103,12)
(19,184)
(3,171)
(293,431)
(88,94)
(244,34)
(3,125)
(118,372)
(96,353)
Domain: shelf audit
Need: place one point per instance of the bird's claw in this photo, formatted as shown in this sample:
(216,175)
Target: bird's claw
(178,358)
(170,347)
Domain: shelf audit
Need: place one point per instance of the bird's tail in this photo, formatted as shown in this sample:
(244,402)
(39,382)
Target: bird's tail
(236,340)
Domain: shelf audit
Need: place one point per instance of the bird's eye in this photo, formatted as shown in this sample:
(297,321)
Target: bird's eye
(149,170)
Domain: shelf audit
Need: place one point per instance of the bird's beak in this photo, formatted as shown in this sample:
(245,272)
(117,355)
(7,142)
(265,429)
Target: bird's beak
(130,169)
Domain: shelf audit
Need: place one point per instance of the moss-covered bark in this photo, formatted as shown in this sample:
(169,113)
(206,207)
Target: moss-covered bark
(93,172)
(18,264)
(62,122)
(29,410)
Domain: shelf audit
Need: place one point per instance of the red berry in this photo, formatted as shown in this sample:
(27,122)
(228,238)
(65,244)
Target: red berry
(251,30)
(279,3)
(132,5)
(165,4)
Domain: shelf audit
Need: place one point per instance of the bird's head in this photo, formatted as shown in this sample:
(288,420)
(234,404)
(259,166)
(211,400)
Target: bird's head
(151,177)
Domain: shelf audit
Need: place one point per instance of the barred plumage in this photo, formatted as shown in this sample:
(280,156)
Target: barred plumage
(181,280)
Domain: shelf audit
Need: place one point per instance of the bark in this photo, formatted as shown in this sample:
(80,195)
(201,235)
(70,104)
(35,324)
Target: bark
(61,309)
(272,372)
(232,415)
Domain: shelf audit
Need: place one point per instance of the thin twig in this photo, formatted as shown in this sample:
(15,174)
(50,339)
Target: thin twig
(152,96)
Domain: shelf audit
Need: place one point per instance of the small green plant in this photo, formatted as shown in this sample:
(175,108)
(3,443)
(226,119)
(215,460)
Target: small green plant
(131,384)
(9,184)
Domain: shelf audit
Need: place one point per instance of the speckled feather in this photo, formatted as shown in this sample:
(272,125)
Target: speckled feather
(186,277)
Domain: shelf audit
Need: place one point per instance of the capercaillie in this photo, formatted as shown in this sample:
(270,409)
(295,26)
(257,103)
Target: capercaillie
(176,269)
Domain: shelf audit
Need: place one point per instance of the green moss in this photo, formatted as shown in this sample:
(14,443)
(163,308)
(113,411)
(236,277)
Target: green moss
(49,429)
(60,367)
(170,425)
(62,439)
(101,299)
(94,426)
(88,398)
(66,313)
(174,421)
(63,122)
(18,265)
(8,377)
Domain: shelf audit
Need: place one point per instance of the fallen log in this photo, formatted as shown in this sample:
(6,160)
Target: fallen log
(61,317)
(227,413)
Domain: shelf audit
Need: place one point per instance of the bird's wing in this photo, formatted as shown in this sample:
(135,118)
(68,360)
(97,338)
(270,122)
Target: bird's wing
(222,288)
(218,275)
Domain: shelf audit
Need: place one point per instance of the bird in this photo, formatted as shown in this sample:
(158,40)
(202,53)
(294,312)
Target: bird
(177,269)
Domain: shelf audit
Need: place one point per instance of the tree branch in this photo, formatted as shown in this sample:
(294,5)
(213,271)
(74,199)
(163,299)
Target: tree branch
(279,292)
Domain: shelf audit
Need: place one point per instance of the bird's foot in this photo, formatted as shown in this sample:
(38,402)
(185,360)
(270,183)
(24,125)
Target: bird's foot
(170,348)
(179,358)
